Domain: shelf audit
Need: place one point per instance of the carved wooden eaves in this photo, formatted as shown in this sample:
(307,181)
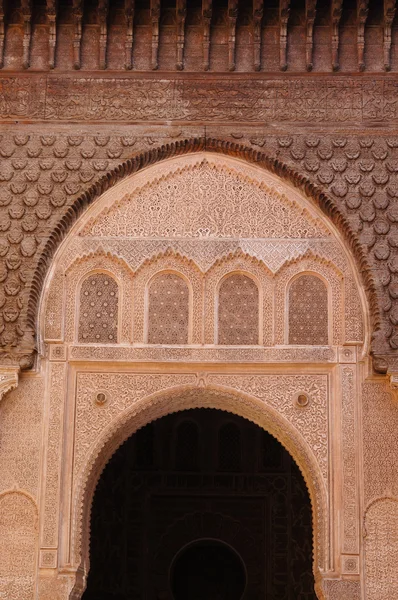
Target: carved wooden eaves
(206,18)
(389,14)
(284,11)
(362,15)
(258,12)
(310,14)
(232,17)
(26,6)
(181,13)
(2,33)
(155,18)
(129,6)
(336,10)
(103,8)
(77,37)
(52,6)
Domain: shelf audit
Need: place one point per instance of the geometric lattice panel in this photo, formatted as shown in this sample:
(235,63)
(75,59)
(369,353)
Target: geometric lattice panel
(168,313)
(98,310)
(238,311)
(308,311)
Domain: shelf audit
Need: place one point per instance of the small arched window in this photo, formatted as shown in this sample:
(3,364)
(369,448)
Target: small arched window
(187,446)
(168,313)
(98,311)
(238,311)
(308,311)
(229,448)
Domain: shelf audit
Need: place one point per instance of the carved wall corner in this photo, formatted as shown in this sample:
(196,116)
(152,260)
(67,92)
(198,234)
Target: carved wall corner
(8,379)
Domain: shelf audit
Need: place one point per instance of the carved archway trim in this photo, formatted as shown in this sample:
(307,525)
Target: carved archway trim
(194,145)
(174,400)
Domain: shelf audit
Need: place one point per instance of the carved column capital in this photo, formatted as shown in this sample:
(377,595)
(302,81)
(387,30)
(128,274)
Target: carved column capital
(8,379)
(394,382)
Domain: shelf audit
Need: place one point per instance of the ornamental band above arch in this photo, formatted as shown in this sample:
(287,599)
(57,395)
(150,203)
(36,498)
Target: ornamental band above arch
(39,226)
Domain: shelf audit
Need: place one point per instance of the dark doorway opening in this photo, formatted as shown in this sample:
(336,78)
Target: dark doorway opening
(194,502)
(208,569)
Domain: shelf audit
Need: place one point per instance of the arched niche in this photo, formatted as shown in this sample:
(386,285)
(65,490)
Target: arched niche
(177,399)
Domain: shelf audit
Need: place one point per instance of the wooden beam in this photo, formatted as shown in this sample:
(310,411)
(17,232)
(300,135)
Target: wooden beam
(389,14)
(52,24)
(77,37)
(206,18)
(232,17)
(155,18)
(258,12)
(362,15)
(310,14)
(336,10)
(26,6)
(181,13)
(103,10)
(284,11)
(129,6)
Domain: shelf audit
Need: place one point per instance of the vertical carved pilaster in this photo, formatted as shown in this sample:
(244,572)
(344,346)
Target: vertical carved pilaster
(129,6)
(52,23)
(155,18)
(336,9)
(77,38)
(181,13)
(362,15)
(26,6)
(389,14)
(103,8)
(310,13)
(232,17)
(2,34)
(258,12)
(284,11)
(206,16)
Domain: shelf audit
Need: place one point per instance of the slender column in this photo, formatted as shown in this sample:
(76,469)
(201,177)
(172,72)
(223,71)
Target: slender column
(181,13)
(206,16)
(232,17)
(155,17)
(2,34)
(336,10)
(77,40)
(310,14)
(129,6)
(284,11)
(389,14)
(103,9)
(258,12)
(52,22)
(27,35)
(362,15)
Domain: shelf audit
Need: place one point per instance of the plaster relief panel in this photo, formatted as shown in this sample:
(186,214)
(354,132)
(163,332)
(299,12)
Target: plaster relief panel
(18,545)
(381,549)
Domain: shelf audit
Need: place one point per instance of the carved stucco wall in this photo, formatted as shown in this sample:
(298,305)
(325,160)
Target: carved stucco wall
(352,176)
(323,435)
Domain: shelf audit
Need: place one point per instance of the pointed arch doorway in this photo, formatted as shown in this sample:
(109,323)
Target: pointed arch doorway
(205,505)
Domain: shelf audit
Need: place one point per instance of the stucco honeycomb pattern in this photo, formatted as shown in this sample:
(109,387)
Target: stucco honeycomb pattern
(168,313)
(308,311)
(238,311)
(98,317)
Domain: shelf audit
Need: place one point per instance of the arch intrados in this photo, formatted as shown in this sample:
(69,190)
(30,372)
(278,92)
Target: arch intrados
(175,400)
(195,145)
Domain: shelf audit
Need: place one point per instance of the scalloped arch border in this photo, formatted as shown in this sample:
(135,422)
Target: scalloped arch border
(194,145)
(173,400)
